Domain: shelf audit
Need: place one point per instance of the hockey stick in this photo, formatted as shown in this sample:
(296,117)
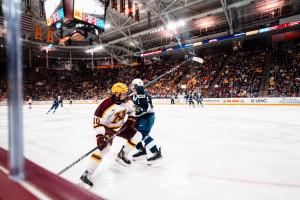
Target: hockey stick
(67,109)
(200,60)
(85,155)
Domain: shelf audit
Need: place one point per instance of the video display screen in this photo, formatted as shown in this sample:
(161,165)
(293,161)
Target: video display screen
(90,11)
(54,11)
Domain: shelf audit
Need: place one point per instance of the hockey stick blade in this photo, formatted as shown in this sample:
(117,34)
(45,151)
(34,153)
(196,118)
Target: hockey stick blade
(200,60)
(82,157)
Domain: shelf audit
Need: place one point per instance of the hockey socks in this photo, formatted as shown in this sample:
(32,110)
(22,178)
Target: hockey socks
(149,142)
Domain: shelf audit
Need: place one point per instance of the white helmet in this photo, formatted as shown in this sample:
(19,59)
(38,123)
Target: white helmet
(137,82)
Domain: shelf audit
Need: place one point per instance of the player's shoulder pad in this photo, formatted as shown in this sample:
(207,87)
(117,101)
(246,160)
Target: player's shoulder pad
(104,107)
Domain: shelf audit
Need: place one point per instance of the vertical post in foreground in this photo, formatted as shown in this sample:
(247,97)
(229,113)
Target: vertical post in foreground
(15,78)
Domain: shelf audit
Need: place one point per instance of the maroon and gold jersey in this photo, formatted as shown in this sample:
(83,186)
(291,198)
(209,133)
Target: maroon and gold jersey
(112,115)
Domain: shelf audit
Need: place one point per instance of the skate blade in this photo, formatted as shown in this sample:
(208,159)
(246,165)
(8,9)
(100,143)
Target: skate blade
(139,158)
(153,161)
(120,161)
(83,185)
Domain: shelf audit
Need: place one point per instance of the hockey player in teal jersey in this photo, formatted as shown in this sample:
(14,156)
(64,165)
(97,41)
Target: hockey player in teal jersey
(55,104)
(198,98)
(190,98)
(145,120)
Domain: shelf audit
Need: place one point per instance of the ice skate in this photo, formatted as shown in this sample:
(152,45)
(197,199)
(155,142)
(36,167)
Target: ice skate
(122,158)
(47,112)
(85,180)
(53,112)
(156,156)
(141,155)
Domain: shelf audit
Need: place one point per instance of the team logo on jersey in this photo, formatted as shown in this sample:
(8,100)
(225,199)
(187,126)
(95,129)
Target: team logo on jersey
(119,116)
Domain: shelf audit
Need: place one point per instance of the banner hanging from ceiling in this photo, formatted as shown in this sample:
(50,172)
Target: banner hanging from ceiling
(42,9)
(114,4)
(38,32)
(49,35)
(137,12)
(28,5)
(130,14)
(122,6)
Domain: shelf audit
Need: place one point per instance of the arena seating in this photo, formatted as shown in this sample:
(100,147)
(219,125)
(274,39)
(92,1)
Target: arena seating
(284,72)
(242,76)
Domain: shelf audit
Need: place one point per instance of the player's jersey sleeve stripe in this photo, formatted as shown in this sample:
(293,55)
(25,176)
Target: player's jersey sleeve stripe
(107,110)
(114,127)
(111,127)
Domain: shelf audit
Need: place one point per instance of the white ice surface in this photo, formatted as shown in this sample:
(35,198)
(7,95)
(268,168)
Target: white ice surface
(215,152)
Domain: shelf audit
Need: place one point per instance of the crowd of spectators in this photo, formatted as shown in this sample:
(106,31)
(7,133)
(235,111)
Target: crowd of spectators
(242,76)
(285,69)
(3,86)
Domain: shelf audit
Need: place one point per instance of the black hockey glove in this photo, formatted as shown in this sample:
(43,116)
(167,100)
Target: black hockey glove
(140,92)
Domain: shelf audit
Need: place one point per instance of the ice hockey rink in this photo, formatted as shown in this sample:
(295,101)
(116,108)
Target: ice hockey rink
(214,152)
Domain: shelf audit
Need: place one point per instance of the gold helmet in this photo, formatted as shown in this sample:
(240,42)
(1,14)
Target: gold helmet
(119,88)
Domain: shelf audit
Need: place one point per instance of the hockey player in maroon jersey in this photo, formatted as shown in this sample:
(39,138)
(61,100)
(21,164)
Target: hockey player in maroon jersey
(109,120)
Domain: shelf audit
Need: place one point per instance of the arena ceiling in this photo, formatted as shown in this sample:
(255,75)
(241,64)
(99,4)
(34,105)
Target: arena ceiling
(127,37)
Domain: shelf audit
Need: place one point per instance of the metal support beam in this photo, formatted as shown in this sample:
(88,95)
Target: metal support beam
(162,19)
(141,41)
(15,88)
(126,22)
(129,38)
(153,17)
(226,15)
(168,6)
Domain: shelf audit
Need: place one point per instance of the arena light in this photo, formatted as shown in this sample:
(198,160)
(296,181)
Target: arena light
(172,26)
(107,25)
(99,47)
(181,23)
